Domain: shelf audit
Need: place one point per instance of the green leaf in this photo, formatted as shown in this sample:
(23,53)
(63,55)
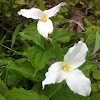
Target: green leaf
(20,2)
(90,35)
(89,55)
(5,61)
(63,10)
(2,55)
(96,74)
(61,35)
(87,22)
(82,3)
(94,87)
(98,22)
(3,87)
(97,12)
(43,97)
(90,6)
(59,19)
(87,65)
(97,43)
(13,79)
(1,97)
(58,50)
(15,34)
(49,90)
(21,94)
(39,57)
(41,4)
(23,68)
(95,97)
(40,75)
(31,33)
(66,94)
(98,83)
(90,38)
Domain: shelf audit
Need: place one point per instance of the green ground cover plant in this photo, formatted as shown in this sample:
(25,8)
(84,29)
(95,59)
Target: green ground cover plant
(29,49)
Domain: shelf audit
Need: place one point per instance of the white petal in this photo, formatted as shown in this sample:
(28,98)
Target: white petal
(54,75)
(34,13)
(78,83)
(51,12)
(75,56)
(45,28)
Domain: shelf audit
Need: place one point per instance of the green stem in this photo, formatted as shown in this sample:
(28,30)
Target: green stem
(2,28)
(6,75)
(12,14)
(35,73)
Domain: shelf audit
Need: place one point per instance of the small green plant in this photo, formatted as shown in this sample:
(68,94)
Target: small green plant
(43,60)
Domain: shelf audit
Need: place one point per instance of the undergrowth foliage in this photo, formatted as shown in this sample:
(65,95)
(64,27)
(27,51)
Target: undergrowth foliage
(26,56)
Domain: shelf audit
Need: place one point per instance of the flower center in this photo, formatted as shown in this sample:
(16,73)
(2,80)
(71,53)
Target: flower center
(66,68)
(44,18)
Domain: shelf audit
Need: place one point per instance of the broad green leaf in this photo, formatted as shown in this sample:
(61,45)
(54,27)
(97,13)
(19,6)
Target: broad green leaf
(31,33)
(97,43)
(13,79)
(90,5)
(61,35)
(87,65)
(82,3)
(63,10)
(58,50)
(2,55)
(40,75)
(87,22)
(3,87)
(43,97)
(59,19)
(39,57)
(90,35)
(5,61)
(76,1)
(96,74)
(23,68)
(94,87)
(95,97)
(41,4)
(98,83)
(21,94)
(89,55)
(15,34)
(90,38)
(66,94)
(86,72)
(97,12)
(20,2)
(1,97)
(49,90)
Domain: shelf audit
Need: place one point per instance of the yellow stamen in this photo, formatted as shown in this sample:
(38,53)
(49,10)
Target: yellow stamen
(44,18)
(66,68)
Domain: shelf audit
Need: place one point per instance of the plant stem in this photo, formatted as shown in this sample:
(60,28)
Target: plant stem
(2,28)
(12,14)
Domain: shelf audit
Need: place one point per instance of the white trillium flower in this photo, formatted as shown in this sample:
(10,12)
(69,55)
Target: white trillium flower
(44,25)
(68,70)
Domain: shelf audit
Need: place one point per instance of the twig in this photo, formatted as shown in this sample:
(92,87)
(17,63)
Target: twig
(12,50)
(77,23)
